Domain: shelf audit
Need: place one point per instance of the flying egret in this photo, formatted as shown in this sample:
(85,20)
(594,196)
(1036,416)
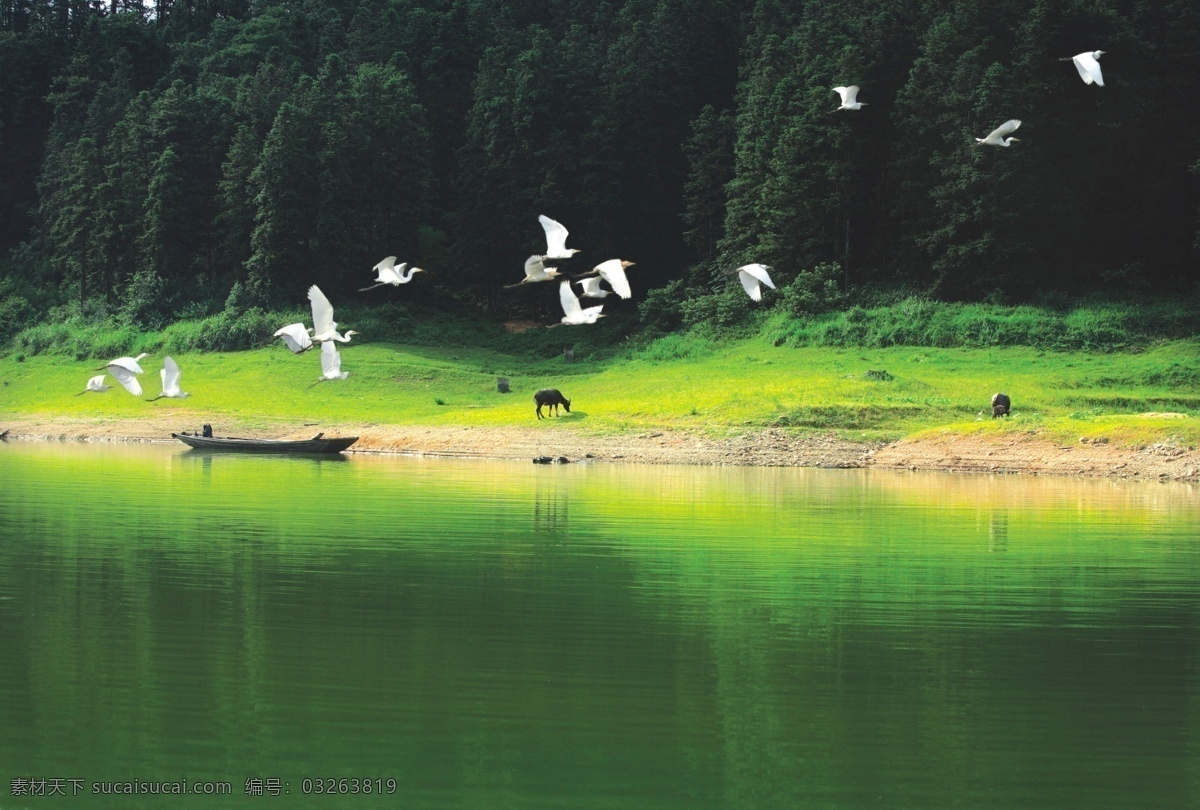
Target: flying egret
(125,370)
(753,276)
(170,381)
(1088,65)
(535,270)
(613,271)
(996,136)
(324,326)
(591,287)
(849,98)
(295,337)
(575,314)
(95,384)
(556,239)
(331,364)
(388,272)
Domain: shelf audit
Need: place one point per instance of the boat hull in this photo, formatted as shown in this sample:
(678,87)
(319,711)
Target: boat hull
(314,445)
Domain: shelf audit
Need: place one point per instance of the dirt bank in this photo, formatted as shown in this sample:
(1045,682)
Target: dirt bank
(995,453)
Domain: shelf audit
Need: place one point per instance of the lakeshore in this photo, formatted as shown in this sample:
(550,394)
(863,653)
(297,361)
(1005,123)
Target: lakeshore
(1009,452)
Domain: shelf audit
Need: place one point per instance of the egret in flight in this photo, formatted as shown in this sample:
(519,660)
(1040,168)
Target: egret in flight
(295,337)
(849,98)
(753,276)
(324,326)
(125,370)
(556,239)
(575,314)
(591,288)
(1088,65)
(613,271)
(388,272)
(95,384)
(535,270)
(170,381)
(331,364)
(996,136)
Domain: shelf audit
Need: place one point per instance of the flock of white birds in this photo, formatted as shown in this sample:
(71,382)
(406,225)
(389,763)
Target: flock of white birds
(299,338)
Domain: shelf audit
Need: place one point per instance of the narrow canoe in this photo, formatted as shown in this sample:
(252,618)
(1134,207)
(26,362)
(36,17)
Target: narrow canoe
(317,444)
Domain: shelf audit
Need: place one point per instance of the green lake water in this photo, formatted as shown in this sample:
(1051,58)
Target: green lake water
(504,635)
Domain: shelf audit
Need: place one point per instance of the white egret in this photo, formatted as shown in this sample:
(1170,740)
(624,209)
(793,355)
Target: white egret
(535,270)
(331,364)
(170,380)
(613,271)
(295,337)
(753,276)
(324,326)
(95,384)
(556,239)
(125,370)
(574,313)
(591,288)
(388,272)
(849,98)
(1088,65)
(996,136)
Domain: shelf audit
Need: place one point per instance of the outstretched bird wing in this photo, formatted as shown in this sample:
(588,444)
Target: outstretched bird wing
(556,236)
(170,375)
(848,94)
(295,336)
(322,311)
(753,276)
(570,303)
(612,272)
(331,363)
(126,378)
(1089,68)
(1006,128)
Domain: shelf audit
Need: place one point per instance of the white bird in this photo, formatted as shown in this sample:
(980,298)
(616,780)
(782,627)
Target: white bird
(170,381)
(95,384)
(849,98)
(535,270)
(388,272)
(996,136)
(125,370)
(1088,65)
(324,326)
(591,287)
(753,276)
(331,364)
(556,239)
(295,337)
(575,314)
(613,271)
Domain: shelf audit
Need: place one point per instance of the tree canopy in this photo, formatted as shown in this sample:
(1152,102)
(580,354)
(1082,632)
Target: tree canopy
(153,156)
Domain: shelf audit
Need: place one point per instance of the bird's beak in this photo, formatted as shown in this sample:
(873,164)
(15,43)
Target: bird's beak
(628,264)
(1014,139)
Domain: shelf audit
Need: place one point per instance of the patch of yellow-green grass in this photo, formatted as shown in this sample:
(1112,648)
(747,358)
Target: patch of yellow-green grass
(705,386)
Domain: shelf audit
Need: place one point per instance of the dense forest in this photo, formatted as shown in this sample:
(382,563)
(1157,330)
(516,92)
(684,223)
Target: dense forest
(161,160)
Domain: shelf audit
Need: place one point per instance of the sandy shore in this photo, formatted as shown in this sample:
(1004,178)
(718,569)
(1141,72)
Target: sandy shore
(993,453)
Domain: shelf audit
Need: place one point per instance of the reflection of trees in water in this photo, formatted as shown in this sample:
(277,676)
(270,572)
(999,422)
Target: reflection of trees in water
(550,507)
(998,531)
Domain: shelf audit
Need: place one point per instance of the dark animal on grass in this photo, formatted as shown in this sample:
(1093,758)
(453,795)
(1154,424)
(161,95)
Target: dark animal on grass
(1001,405)
(551,398)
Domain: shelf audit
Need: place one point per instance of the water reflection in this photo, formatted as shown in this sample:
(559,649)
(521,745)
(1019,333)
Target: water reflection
(599,636)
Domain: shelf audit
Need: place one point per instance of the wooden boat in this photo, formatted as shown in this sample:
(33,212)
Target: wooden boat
(317,444)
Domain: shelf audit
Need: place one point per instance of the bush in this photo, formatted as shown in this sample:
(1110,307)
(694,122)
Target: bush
(813,292)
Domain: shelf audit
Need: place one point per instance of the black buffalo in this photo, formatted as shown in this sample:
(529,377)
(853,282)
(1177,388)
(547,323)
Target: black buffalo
(551,398)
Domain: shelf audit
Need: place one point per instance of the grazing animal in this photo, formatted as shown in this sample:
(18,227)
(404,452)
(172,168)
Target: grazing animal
(1001,405)
(551,398)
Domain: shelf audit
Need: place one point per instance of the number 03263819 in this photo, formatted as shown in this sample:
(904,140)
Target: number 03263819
(348,787)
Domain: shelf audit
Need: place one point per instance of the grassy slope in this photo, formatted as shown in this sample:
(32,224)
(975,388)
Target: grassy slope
(675,383)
